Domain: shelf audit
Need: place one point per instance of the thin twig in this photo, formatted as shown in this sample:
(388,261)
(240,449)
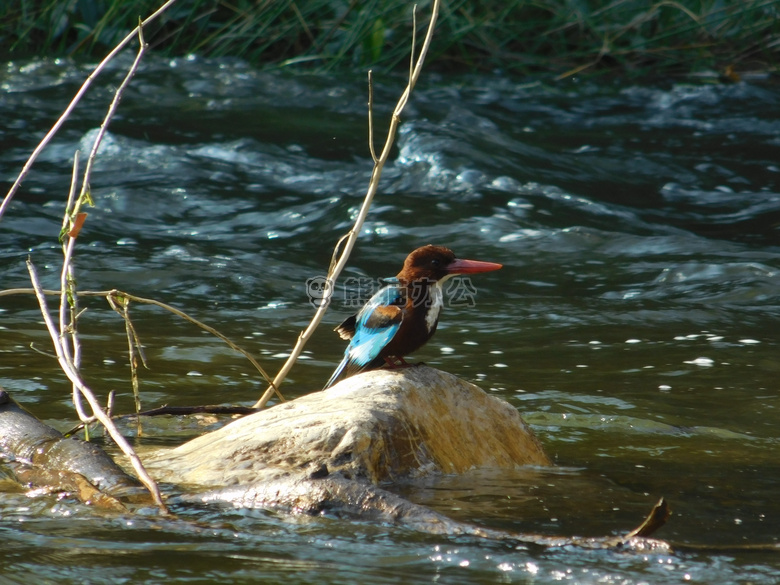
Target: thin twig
(133,342)
(373,185)
(371,117)
(58,124)
(67,287)
(110,114)
(194,321)
(414,40)
(166,410)
(118,293)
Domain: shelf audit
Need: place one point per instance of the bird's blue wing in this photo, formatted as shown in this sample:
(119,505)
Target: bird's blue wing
(369,341)
(375,325)
(346,329)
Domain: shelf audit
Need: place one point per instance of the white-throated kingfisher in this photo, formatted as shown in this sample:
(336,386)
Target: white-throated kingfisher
(402,316)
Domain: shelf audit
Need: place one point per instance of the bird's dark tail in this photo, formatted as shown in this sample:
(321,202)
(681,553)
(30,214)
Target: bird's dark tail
(337,374)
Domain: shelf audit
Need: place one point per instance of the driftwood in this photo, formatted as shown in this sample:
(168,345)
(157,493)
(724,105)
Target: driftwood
(341,497)
(40,456)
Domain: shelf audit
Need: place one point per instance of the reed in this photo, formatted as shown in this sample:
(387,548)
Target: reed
(559,37)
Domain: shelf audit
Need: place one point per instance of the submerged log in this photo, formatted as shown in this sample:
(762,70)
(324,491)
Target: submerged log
(379,426)
(340,497)
(39,455)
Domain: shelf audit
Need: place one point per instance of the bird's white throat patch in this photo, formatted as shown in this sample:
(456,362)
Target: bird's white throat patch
(437,301)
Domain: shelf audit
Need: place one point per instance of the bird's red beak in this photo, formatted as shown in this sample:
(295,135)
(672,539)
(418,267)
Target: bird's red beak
(459,266)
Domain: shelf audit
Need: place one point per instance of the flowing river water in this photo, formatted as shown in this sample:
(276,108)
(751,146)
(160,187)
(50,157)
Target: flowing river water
(634,324)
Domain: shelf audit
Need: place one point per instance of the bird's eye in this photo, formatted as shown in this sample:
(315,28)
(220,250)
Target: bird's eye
(436,262)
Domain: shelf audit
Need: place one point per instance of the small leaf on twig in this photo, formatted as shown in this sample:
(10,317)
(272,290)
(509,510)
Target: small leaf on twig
(86,196)
(78,223)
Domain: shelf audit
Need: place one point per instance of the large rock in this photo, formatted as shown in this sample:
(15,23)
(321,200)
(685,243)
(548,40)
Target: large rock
(378,426)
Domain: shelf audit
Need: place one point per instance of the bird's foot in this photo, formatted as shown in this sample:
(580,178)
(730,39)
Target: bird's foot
(395,363)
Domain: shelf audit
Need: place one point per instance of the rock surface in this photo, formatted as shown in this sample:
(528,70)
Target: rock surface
(379,426)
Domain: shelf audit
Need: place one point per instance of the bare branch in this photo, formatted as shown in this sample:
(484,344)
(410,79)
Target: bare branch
(58,124)
(373,185)
(110,114)
(68,299)
(166,410)
(371,117)
(117,294)
(414,40)
(133,343)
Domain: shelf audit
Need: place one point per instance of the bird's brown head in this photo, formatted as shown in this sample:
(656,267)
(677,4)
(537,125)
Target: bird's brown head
(437,262)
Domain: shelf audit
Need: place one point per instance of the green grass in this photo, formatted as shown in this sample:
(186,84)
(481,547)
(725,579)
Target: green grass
(558,37)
